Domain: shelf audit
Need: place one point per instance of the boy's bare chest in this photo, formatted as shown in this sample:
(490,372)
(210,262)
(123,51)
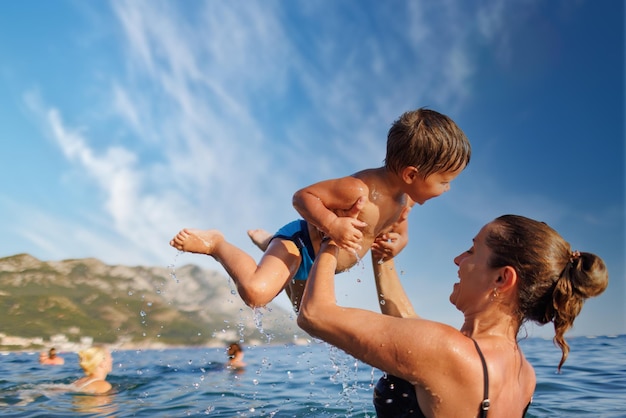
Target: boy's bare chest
(381,214)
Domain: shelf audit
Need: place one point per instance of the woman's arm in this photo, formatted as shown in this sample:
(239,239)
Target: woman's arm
(392,298)
(411,348)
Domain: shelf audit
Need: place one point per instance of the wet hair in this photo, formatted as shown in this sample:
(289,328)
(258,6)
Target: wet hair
(233,350)
(52,353)
(553,280)
(427,140)
(90,358)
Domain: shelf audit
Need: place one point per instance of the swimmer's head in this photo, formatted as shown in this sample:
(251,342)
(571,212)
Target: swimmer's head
(93,357)
(233,350)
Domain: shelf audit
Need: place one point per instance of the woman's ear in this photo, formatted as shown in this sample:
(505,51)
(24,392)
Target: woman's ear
(507,279)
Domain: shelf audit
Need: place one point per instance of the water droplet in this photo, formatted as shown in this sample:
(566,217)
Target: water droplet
(142,313)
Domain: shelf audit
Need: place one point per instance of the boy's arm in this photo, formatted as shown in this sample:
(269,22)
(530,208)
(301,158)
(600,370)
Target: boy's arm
(319,204)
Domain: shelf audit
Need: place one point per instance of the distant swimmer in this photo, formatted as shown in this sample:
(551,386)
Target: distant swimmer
(235,357)
(51,358)
(97,363)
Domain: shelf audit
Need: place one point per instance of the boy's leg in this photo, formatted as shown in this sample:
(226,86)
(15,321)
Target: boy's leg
(257,285)
(294,288)
(260,237)
(197,241)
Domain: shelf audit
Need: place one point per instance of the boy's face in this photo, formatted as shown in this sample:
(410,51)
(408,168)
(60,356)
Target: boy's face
(434,185)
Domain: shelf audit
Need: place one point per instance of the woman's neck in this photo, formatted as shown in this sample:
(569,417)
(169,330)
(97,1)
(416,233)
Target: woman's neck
(490,324)
(96,376)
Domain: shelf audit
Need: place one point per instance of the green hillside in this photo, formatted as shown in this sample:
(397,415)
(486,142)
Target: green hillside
(136,305)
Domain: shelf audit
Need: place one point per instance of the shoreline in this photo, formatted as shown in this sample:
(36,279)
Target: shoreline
(74,348)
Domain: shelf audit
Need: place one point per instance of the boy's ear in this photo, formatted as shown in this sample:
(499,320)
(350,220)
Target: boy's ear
(410,174)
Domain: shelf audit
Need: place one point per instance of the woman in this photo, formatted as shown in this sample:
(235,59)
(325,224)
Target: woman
(518,270)
(97,363)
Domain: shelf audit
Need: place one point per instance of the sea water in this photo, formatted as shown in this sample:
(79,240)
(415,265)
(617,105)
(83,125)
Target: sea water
(288,381)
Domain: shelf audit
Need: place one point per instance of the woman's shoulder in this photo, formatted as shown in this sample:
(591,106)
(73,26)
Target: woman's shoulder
(511,377)
(99,386)
(90,385)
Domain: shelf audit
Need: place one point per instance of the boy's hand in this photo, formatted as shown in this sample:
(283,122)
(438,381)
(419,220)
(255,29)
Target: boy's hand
(346,231)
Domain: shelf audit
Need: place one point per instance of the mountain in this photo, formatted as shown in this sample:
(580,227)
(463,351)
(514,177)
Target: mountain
(84,300)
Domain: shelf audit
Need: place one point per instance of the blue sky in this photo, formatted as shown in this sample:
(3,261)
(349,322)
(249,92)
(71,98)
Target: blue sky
(122,122)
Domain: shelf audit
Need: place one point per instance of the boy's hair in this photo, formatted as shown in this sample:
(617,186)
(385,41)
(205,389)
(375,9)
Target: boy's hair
(428,141)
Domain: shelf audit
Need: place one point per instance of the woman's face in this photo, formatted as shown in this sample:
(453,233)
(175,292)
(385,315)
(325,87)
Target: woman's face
(476,277)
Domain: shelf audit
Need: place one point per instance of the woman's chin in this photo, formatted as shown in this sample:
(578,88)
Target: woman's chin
(453,295)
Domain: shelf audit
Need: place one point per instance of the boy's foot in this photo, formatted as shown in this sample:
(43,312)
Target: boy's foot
(197,240)
(260,237)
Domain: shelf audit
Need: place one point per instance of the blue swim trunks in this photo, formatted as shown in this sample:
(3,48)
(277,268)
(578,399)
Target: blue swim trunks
(298,233)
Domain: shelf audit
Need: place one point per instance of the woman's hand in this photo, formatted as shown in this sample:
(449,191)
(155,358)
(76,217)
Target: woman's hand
(386,246)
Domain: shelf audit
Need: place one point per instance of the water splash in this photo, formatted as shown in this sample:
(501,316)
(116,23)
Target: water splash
(172,266)
(344,374)
(257,315)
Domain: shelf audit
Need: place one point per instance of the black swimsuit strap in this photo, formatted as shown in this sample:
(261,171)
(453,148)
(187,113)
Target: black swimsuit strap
(484,405)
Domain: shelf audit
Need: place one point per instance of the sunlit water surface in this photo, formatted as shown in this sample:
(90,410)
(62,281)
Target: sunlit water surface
(288,381)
